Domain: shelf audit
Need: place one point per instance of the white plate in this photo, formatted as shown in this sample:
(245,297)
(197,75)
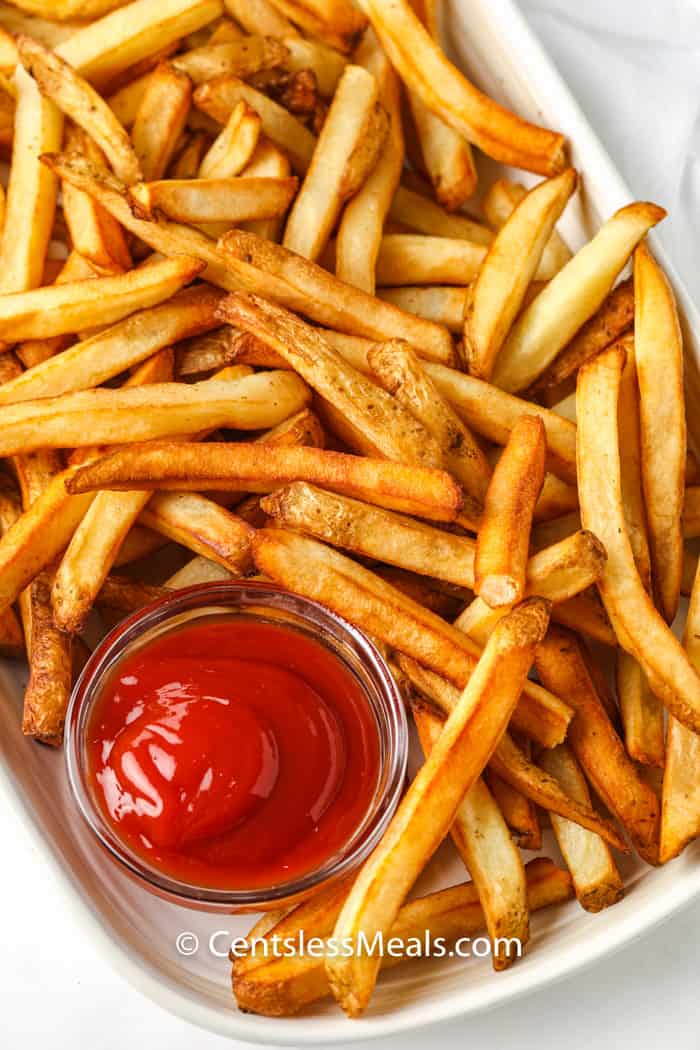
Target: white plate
(490,39)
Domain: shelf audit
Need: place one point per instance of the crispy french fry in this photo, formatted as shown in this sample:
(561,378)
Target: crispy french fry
(104,416)
(260,16)
(498,203)
(282,987)
(347,150)
(556,498)
(498,292)
(412,258)
(267,162)
(561,665)
(482,838)
(186,164)
(459,756)
(234,146)
(205,200)
(204,353)
(518,812)
(411,208)
(33,351)
(202,526)
(612,319)
(240,58)
(503,539)
(430,592)
(691,512)
(596,879)
(659,355)
(327,63)
(125,101)
(639,627)
(160,119)
(571,297)
(334,21)
(198,570)
(447,156)
(631,463)
(31,191)
(443,304)
(157,369)
(50,670)
(218,99)
(92,361)
(139,544)
(68,10)
(447,93)
(318,572)
(642,714)
(122,594)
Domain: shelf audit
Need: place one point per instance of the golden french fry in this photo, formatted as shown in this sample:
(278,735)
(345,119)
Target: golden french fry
(267,162)
(318,572)
(596,879)
(412,258)
(498,292)
(447,156)
(92,361)
(203,200)
(518,812)
(204,353)
(639,627)
(659,355)
(425,216)
(556,499)
(503,539)
(641,713)
(447,93)
(33,351)
(198,570)
(240,58)
(160,119)
(691,512)
(631,462)
(443,304)
(140,543)
(327,64)
(260,16)
(67,10)
(125,595)
(334,21)
(50,669)
(459,756)
(186,164)
(491,857)
(234,146)
(571,297)
(125,102)
(203,526)
(498,203)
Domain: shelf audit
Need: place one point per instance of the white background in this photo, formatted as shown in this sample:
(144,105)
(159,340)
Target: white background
(635,68)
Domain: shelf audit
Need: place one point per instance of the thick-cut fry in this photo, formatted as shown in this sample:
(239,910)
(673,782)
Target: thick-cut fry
(204,353)
(464,747)
(257,467)
(503,539)
(561,665)
(93,361)
(116,42)
(218,99)
(425,216)
(596,879)
(491,857)
(642,714)
(160,119)
(386,425)
(346,152)
(614,317)
(73,95)
(498,203)
(639,627)
(234,146)
(659,355)
(267,162)
(512,260)
(240,58)
(186,164)
(202,526)
(260,16)
(328,301)
(283,987)
(447,92)
(203,200)
(447,156)
(443,304)
(31,191)
(50,669)
(412,258)
(571,297)
(34,351)
(103,416)
(334,21)
(67,10)
(327,64)
(318,572)
(56,309)
(691,512)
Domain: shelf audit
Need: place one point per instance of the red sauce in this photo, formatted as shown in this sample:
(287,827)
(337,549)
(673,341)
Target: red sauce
(232,753)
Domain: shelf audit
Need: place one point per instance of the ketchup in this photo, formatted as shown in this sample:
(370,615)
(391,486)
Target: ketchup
(233,753)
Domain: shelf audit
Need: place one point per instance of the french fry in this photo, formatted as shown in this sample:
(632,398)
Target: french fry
(447,156)
(258,468)
(326,63)
(387,426)
(31,191)
(555,499)
(690,565)
(642,714)
(596,879)
(75,98)
(498,292)
(612,319)
(202,526)
(205,200)
(204,353)
(234,146)
(33,351)
(328,301)
(157,369)
(260,16)
(334,21)
(160,119)
(424,815)
(140,543)
(360,231)
(503,539)
(561,665)
(198,570)
(104,416)
(218,98)
(659,356)
(57,309)
(50,670)
(267,162)
(518,812)
(586,614)
(12,641)
(447,93)
(105,48)
(122,594)
(571,297)
(680,800)
(309,568)
(93,361)
(691,512)
(186,164)
(410,208)
(429,592)
(639,627)
(408,258)
(498,203)
(240,58)
(283,987)
(68,10)
(347,150)
(483,841)
(443,304)
(125,101)
(399,370)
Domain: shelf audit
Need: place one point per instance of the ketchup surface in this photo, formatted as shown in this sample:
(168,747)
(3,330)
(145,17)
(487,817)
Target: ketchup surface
(232,753)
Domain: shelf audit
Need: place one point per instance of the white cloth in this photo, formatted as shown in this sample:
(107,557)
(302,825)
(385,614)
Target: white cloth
(634,67)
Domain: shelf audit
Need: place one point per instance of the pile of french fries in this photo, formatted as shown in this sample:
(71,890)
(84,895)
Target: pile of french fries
(246,316)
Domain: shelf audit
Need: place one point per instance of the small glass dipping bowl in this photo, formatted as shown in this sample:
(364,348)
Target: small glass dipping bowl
(263,603)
